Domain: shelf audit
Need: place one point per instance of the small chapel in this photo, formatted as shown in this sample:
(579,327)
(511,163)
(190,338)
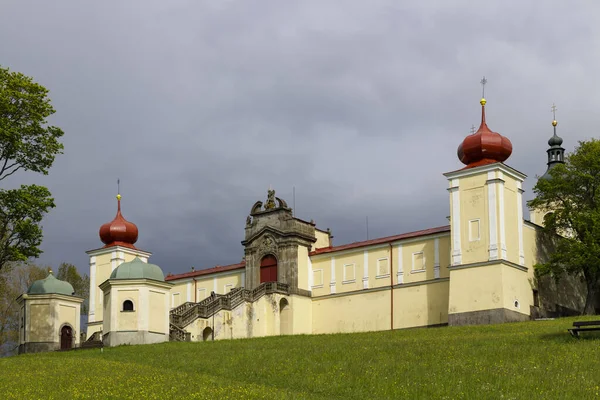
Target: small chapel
(478,269)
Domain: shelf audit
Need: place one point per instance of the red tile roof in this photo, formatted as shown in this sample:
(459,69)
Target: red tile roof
(382,240)
(218,268)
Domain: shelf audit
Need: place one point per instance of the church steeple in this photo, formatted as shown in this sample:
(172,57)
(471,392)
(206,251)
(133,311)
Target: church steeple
(556,154)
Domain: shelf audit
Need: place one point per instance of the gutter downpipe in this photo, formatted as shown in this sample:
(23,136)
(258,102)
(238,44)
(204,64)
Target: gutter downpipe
(391,287)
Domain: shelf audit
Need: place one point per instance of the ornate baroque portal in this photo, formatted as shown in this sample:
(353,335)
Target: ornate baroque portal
(273,236)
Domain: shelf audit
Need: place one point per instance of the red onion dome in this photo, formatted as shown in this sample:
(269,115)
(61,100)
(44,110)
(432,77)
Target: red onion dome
(119,232)
(484,146)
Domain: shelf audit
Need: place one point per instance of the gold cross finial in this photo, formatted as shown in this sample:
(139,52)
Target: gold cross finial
(553,108)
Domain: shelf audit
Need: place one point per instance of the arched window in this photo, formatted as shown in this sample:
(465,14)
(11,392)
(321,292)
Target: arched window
(128,305)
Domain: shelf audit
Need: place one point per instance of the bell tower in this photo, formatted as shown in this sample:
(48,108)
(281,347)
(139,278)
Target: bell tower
(488,278)
(556,155)
(119,237)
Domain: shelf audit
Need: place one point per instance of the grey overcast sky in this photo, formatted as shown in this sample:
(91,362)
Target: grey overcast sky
(199,106)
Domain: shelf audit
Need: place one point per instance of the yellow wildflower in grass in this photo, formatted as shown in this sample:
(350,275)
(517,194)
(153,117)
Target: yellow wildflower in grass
(531,360)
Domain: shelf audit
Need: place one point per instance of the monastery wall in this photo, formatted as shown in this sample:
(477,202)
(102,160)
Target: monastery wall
(272,314)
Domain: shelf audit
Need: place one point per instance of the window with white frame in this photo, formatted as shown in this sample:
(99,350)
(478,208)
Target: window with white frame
(418,261)
(317,278)
(227,288)
(383,268)
(474,230)
(201,295)
(349,273)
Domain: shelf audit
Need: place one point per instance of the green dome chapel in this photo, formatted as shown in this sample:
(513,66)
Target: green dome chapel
(137,269)
(51,285)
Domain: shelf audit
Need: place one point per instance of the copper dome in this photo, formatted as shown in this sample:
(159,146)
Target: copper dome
(484,146)
(119,232)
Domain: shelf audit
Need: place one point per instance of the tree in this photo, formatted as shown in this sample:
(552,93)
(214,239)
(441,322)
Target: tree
(572,195)
(27,143)
(15,279)
(81,285)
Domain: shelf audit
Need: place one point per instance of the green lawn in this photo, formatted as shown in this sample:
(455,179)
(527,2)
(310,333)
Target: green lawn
(531,360)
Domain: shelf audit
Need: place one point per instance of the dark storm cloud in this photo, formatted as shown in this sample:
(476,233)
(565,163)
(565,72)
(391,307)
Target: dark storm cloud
(199,106)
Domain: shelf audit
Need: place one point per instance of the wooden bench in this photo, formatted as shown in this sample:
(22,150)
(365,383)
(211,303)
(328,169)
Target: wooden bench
(582,326)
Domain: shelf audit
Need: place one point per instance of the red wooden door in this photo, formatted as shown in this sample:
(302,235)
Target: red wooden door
(268,269)
(66,337)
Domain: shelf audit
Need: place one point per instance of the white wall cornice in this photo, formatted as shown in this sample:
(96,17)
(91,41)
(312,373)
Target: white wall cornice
(462,173)
(107,250)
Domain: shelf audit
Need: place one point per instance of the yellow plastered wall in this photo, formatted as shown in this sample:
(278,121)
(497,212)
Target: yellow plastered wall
(322,240)
(303,268)
(261,318)
(106,324)
(380,267)
(348,271)
(421,305)
(418,261)
(474,214)
(530,249)
(220,283)
(69,314)
(127,320)
(517,290)
(103,267)
(489,287)
(444,248)
(46,316)
(321,270)
(383,263)
(475,289)
(301,310)
(512,202)
(157,311)
(362,312)
(41,323)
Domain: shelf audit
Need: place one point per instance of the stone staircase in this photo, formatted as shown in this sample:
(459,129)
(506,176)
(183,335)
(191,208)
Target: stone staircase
(187,313)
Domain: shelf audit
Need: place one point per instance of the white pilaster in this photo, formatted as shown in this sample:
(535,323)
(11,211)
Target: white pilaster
(116,259)
(436,258)
(167,308)
(501,209)
(243,284)
(400,275)
(310,273)
(493,247)
(189,291)
(332,283)
(144,309)
(366,270)
(93,291)
(520,222)
(215,284)
(455,223)
(114,309)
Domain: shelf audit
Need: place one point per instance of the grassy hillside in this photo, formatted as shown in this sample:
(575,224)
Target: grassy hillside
(532,360)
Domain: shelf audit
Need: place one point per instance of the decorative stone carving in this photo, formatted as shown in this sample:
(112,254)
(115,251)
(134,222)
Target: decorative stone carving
(270,204)
(267,246)
(248,221)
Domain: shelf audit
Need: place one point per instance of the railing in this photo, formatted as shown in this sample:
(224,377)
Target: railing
(177,334)
(182,308)
(183,316)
